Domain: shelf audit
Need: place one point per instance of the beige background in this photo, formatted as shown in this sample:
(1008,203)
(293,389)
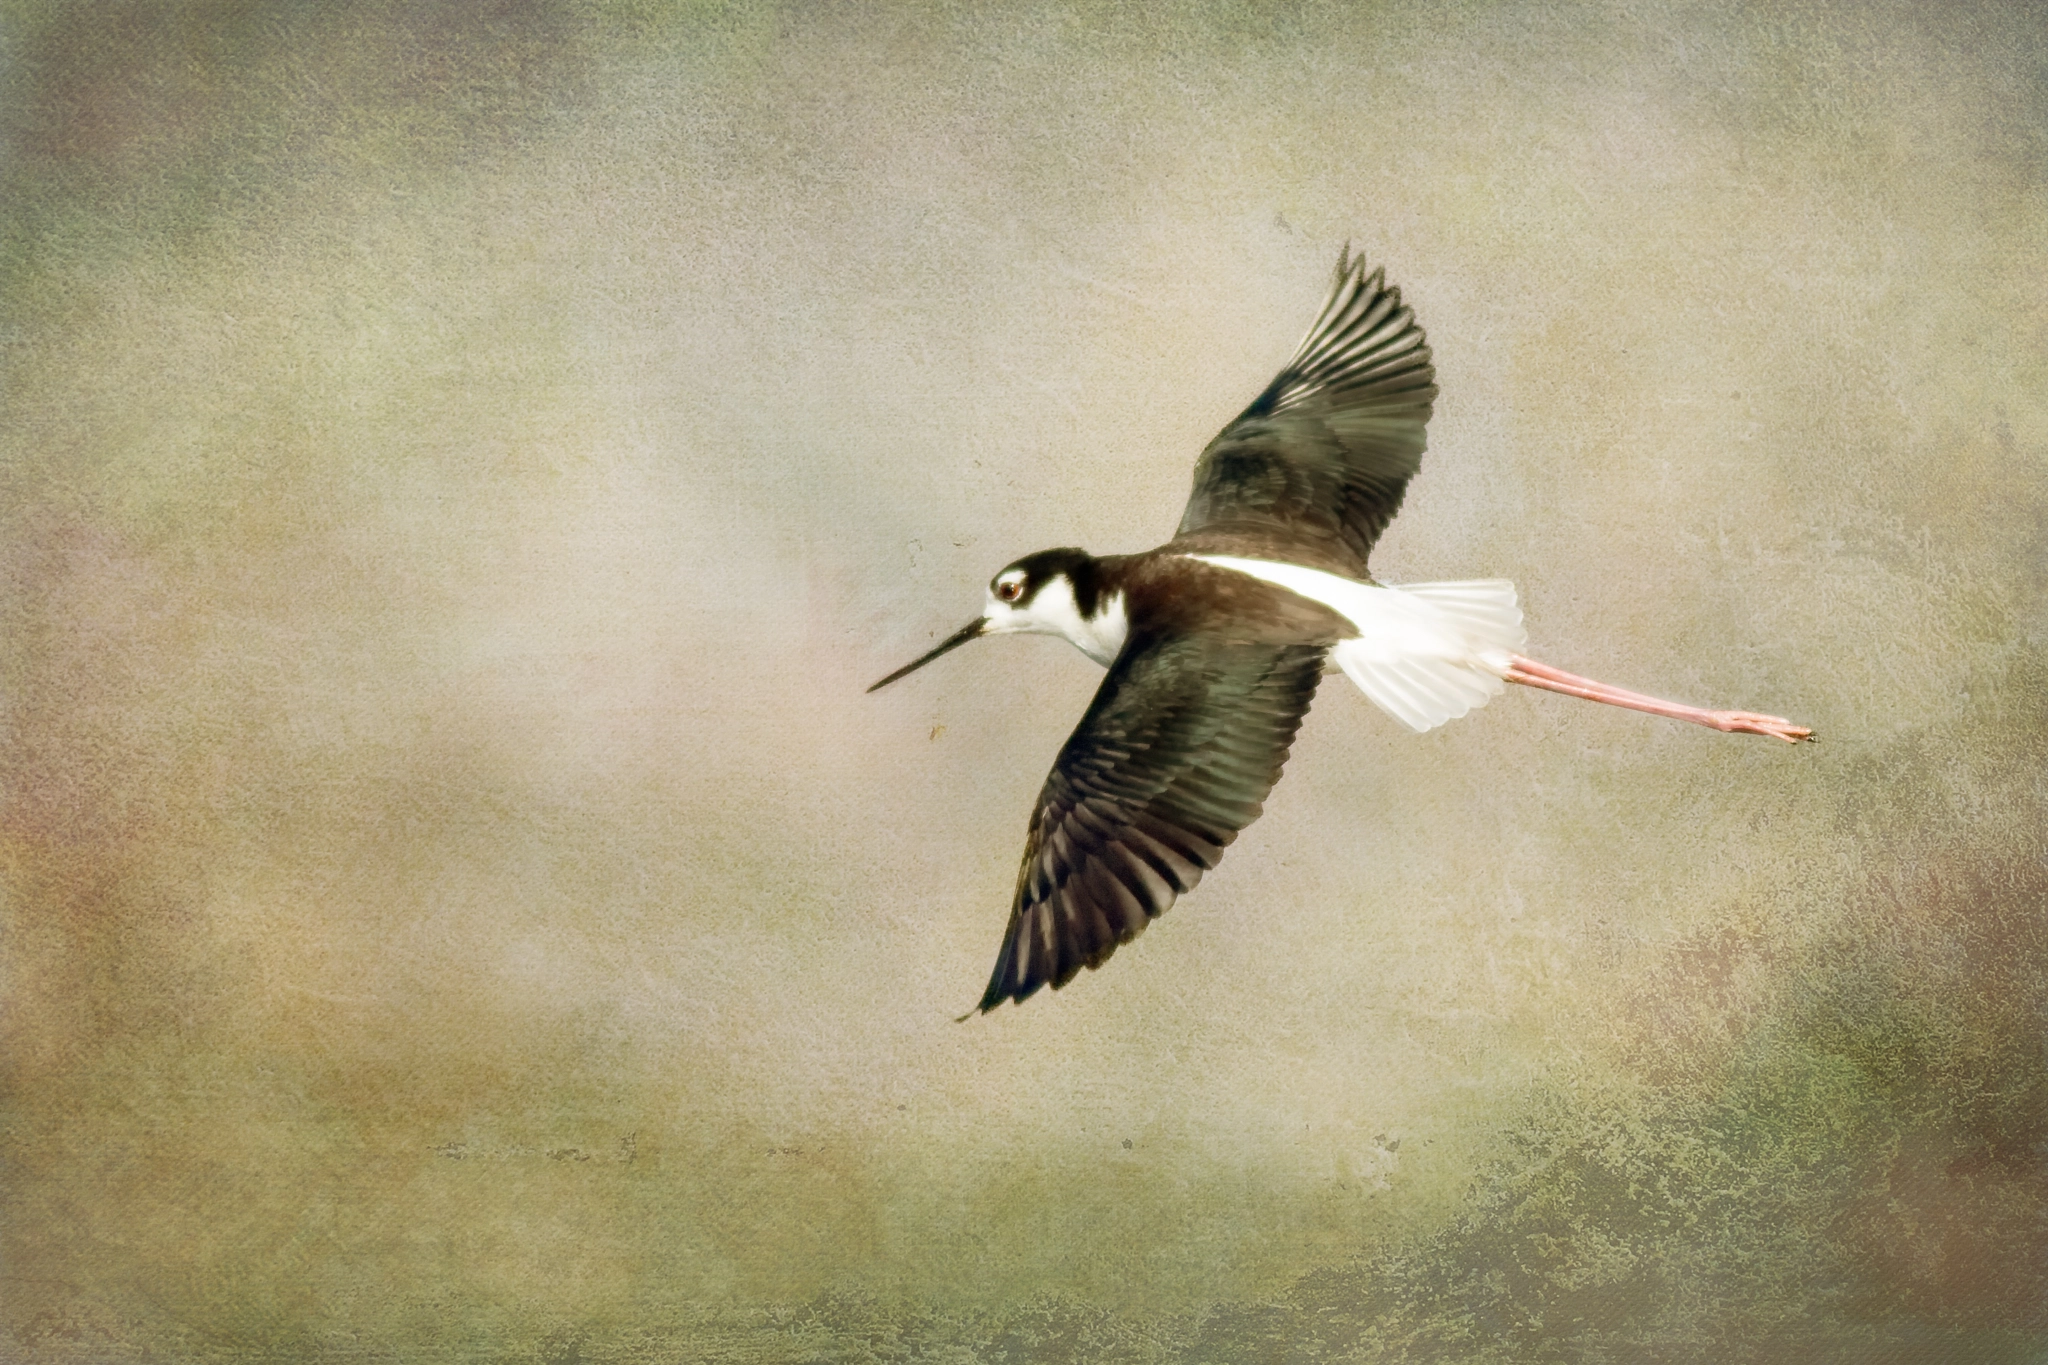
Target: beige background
(463,463)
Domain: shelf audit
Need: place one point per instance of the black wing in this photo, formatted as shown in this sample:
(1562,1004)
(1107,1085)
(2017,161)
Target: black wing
(1322,458)
(1176,754)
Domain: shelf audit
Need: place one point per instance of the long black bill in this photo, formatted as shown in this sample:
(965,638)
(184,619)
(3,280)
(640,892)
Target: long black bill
(972,630)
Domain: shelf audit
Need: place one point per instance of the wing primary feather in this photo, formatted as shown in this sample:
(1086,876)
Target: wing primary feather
(1115,894)
(1343,289)
(1347,335)
(1151,887)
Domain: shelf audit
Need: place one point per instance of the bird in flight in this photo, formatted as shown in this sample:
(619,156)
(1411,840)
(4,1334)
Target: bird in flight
(1215,641)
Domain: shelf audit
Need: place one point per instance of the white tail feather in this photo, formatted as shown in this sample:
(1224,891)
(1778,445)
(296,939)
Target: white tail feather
(1425,653)
(1430,652)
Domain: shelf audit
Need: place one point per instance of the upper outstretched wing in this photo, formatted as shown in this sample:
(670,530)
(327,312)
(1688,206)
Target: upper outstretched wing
(1176,754)
(1322,458)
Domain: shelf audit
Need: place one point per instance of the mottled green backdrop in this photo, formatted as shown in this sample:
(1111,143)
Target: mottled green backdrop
(460,464)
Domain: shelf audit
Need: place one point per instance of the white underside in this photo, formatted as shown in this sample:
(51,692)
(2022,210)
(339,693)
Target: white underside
(1425,653)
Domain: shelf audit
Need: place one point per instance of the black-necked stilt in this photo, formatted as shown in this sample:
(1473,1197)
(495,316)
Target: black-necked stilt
(1216,640)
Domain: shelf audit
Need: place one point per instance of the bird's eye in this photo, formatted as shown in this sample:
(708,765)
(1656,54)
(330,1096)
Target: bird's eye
(1010,591)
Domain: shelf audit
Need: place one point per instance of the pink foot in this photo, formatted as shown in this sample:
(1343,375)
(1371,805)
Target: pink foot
(1530,673)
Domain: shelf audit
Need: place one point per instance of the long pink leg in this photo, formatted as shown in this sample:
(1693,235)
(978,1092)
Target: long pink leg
(1532,674)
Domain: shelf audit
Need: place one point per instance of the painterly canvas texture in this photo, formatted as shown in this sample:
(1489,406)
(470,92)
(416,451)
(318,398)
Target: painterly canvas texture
(461,464)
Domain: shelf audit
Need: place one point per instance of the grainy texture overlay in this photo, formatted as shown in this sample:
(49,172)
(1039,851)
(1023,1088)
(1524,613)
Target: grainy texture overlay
(460,465)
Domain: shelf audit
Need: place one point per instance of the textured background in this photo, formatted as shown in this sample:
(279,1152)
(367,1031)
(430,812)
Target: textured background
(463,462)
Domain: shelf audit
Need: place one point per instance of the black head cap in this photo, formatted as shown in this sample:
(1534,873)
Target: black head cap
(1015,586)
(1078,567)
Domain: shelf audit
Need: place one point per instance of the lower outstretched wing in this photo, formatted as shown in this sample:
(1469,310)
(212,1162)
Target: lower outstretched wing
(1176,754)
